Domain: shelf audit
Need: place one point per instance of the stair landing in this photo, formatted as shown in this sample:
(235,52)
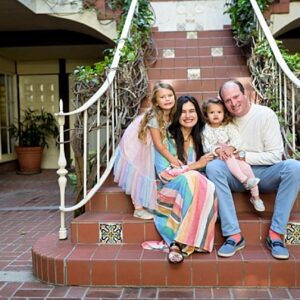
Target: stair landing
(65,263)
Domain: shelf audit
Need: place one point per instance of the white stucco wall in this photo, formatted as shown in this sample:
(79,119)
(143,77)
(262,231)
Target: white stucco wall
(190,15)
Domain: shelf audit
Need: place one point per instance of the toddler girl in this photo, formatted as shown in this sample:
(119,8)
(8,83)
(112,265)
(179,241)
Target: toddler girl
(221,137)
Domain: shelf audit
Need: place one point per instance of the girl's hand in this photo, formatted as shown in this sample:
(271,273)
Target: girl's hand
(221,153)
(225,152)
(229,151)
(175,162)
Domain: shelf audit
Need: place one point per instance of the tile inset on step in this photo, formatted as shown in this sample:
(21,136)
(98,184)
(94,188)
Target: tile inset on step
(217,51)
(192,35)
(168,53)
(110,233)
(293,233)
(193,74)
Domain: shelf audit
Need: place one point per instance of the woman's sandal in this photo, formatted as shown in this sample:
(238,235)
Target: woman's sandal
(175,255)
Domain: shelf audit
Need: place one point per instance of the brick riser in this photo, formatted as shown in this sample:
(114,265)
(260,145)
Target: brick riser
(85,229)
(113,199)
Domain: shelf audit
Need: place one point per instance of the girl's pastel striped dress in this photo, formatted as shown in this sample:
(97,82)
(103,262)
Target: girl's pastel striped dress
(186,204)
(134,169)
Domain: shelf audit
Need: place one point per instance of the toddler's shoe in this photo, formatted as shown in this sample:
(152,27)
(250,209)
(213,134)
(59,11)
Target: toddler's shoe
(251,182)
(258,204)
(142,214)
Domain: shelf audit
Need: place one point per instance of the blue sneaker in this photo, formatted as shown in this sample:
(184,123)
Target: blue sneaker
(278,249)
(230,247)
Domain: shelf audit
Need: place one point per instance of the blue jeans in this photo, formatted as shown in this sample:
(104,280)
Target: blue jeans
(283,177)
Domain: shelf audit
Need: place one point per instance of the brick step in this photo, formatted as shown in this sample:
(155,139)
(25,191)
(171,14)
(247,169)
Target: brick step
(206,72)
(63,263)
(201,86)
(112,199)
(92,227)
(197,42)
(196,51)
(200,61)
(183,34)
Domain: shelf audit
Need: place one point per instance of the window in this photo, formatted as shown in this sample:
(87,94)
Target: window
(6,113)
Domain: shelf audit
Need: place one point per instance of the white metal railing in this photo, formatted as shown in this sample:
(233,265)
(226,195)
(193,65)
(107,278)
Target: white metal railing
(108,120)
(286,86)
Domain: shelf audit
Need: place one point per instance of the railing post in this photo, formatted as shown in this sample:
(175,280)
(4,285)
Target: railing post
(62,172)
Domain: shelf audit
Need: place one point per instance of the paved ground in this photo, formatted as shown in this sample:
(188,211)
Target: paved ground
(28,210)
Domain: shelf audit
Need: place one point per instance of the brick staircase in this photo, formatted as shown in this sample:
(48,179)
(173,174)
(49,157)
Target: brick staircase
(196,63)
(104,247)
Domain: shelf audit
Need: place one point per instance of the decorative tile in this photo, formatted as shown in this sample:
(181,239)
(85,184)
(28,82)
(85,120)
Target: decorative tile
(293,233)
(168,53)
(192,35)
(217,51)
(193,74)
(110,233)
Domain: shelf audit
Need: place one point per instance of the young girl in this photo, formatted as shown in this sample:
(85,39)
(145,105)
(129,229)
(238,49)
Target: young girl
(222,139)
(134,165)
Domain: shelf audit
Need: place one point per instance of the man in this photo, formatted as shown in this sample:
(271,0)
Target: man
(262,147)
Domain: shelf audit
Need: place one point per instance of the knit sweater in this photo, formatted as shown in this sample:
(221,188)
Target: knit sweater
(260,135)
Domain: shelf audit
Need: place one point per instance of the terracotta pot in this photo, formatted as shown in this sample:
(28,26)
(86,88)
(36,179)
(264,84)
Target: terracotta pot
(29,159)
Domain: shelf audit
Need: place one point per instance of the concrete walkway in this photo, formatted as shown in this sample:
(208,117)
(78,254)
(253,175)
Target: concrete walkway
(29,209)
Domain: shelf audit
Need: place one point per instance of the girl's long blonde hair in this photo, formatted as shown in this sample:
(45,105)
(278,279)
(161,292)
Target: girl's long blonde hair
(157,112)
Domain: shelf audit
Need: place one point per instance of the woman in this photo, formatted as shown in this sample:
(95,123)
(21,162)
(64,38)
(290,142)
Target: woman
(186,208)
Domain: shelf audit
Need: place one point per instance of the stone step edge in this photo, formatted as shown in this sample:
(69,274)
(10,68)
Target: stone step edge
(58,262)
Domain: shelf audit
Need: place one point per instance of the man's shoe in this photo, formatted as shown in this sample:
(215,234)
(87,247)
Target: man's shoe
(278,249)
(230,247)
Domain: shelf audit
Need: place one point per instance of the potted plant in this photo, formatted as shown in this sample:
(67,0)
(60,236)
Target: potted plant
(33,131)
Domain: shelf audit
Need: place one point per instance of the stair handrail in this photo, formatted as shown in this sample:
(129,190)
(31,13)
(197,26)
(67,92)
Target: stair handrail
(286,78)
(265,28)
(111,122)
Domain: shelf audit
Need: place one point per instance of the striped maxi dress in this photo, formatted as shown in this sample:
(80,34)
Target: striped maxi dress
(186,204)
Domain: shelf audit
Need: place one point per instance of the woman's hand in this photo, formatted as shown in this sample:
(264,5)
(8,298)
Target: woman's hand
(207,158)
(203,161)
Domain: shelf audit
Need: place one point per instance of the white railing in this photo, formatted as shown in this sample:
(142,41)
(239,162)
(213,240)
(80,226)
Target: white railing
(106,124)
(286,86)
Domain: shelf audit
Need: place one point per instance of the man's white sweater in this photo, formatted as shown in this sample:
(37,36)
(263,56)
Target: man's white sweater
(260,136)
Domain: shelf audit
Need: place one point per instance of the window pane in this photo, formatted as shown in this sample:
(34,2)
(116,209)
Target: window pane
(5,112)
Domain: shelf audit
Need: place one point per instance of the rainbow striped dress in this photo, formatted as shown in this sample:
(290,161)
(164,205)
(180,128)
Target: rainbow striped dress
(186,204)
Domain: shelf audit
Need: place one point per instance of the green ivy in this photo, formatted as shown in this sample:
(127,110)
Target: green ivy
(242,18)
(140,34)
(293,60)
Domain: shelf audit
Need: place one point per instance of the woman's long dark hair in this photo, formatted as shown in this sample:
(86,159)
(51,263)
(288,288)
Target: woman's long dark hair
(176,133)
